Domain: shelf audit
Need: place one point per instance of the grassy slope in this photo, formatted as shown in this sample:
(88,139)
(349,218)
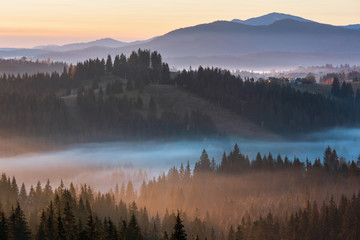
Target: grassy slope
(182,101)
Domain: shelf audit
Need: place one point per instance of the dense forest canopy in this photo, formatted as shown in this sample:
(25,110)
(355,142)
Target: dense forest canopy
(265,198)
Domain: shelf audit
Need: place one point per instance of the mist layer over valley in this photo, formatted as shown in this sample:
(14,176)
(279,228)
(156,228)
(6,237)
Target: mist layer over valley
(102,165)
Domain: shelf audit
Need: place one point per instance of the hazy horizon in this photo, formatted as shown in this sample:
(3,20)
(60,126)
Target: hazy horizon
(24,26)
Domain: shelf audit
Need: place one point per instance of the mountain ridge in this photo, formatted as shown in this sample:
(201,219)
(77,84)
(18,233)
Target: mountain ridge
(291,37)
(269,18)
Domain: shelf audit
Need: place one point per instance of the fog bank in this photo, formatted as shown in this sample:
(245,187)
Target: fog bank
(102,165)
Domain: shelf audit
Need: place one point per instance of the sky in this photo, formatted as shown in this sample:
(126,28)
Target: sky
(28,23)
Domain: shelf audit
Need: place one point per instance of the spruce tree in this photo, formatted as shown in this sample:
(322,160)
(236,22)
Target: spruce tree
(18,225)
(179,231)
(4,227)
(335,87)
(41,232)
(109,65)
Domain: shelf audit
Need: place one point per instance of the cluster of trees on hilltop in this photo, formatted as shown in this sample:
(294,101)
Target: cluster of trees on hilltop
(275,106)
(122,115)
(345,91)
(140,68)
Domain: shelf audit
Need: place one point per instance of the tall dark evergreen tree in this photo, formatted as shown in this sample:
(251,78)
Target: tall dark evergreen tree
(19,229)
(179,231)
(133,230)
(4,227)
(109,65)
(335,87)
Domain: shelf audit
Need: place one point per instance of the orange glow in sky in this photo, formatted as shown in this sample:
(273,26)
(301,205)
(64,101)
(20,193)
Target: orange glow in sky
(26,23)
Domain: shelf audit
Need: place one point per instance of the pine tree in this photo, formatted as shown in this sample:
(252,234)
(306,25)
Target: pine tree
(109,65)
(41,232)
(165,74)
(4,227)
(204,164)
(133,229)
(50,222)
(90,228)
(69,222)
(18,225)
(179,231)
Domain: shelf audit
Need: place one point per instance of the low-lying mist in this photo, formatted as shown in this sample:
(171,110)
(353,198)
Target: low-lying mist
(102,165)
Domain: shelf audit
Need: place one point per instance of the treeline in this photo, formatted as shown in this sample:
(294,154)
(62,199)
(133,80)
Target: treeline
(139,69)
(342,76)
(37,83)
(22,66)
(272,105)
(345,91)
(129,117)
(237,163)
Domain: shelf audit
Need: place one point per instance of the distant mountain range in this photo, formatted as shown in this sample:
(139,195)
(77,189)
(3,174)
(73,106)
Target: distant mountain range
(274,40)
(106,42)
(273,17)
(269,19)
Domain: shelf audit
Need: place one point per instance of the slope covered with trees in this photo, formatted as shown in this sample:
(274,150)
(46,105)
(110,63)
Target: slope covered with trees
(275,106)
(31,105)
(264,198)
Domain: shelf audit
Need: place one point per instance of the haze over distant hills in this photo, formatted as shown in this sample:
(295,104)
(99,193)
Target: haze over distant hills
(106,42)
(271,41)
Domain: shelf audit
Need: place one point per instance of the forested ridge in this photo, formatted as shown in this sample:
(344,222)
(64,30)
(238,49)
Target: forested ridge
(32,105)
(278,107)
(264,198)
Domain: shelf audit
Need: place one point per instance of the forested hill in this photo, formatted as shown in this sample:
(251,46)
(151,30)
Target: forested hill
(76,103)
(118,99)
(275,106)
